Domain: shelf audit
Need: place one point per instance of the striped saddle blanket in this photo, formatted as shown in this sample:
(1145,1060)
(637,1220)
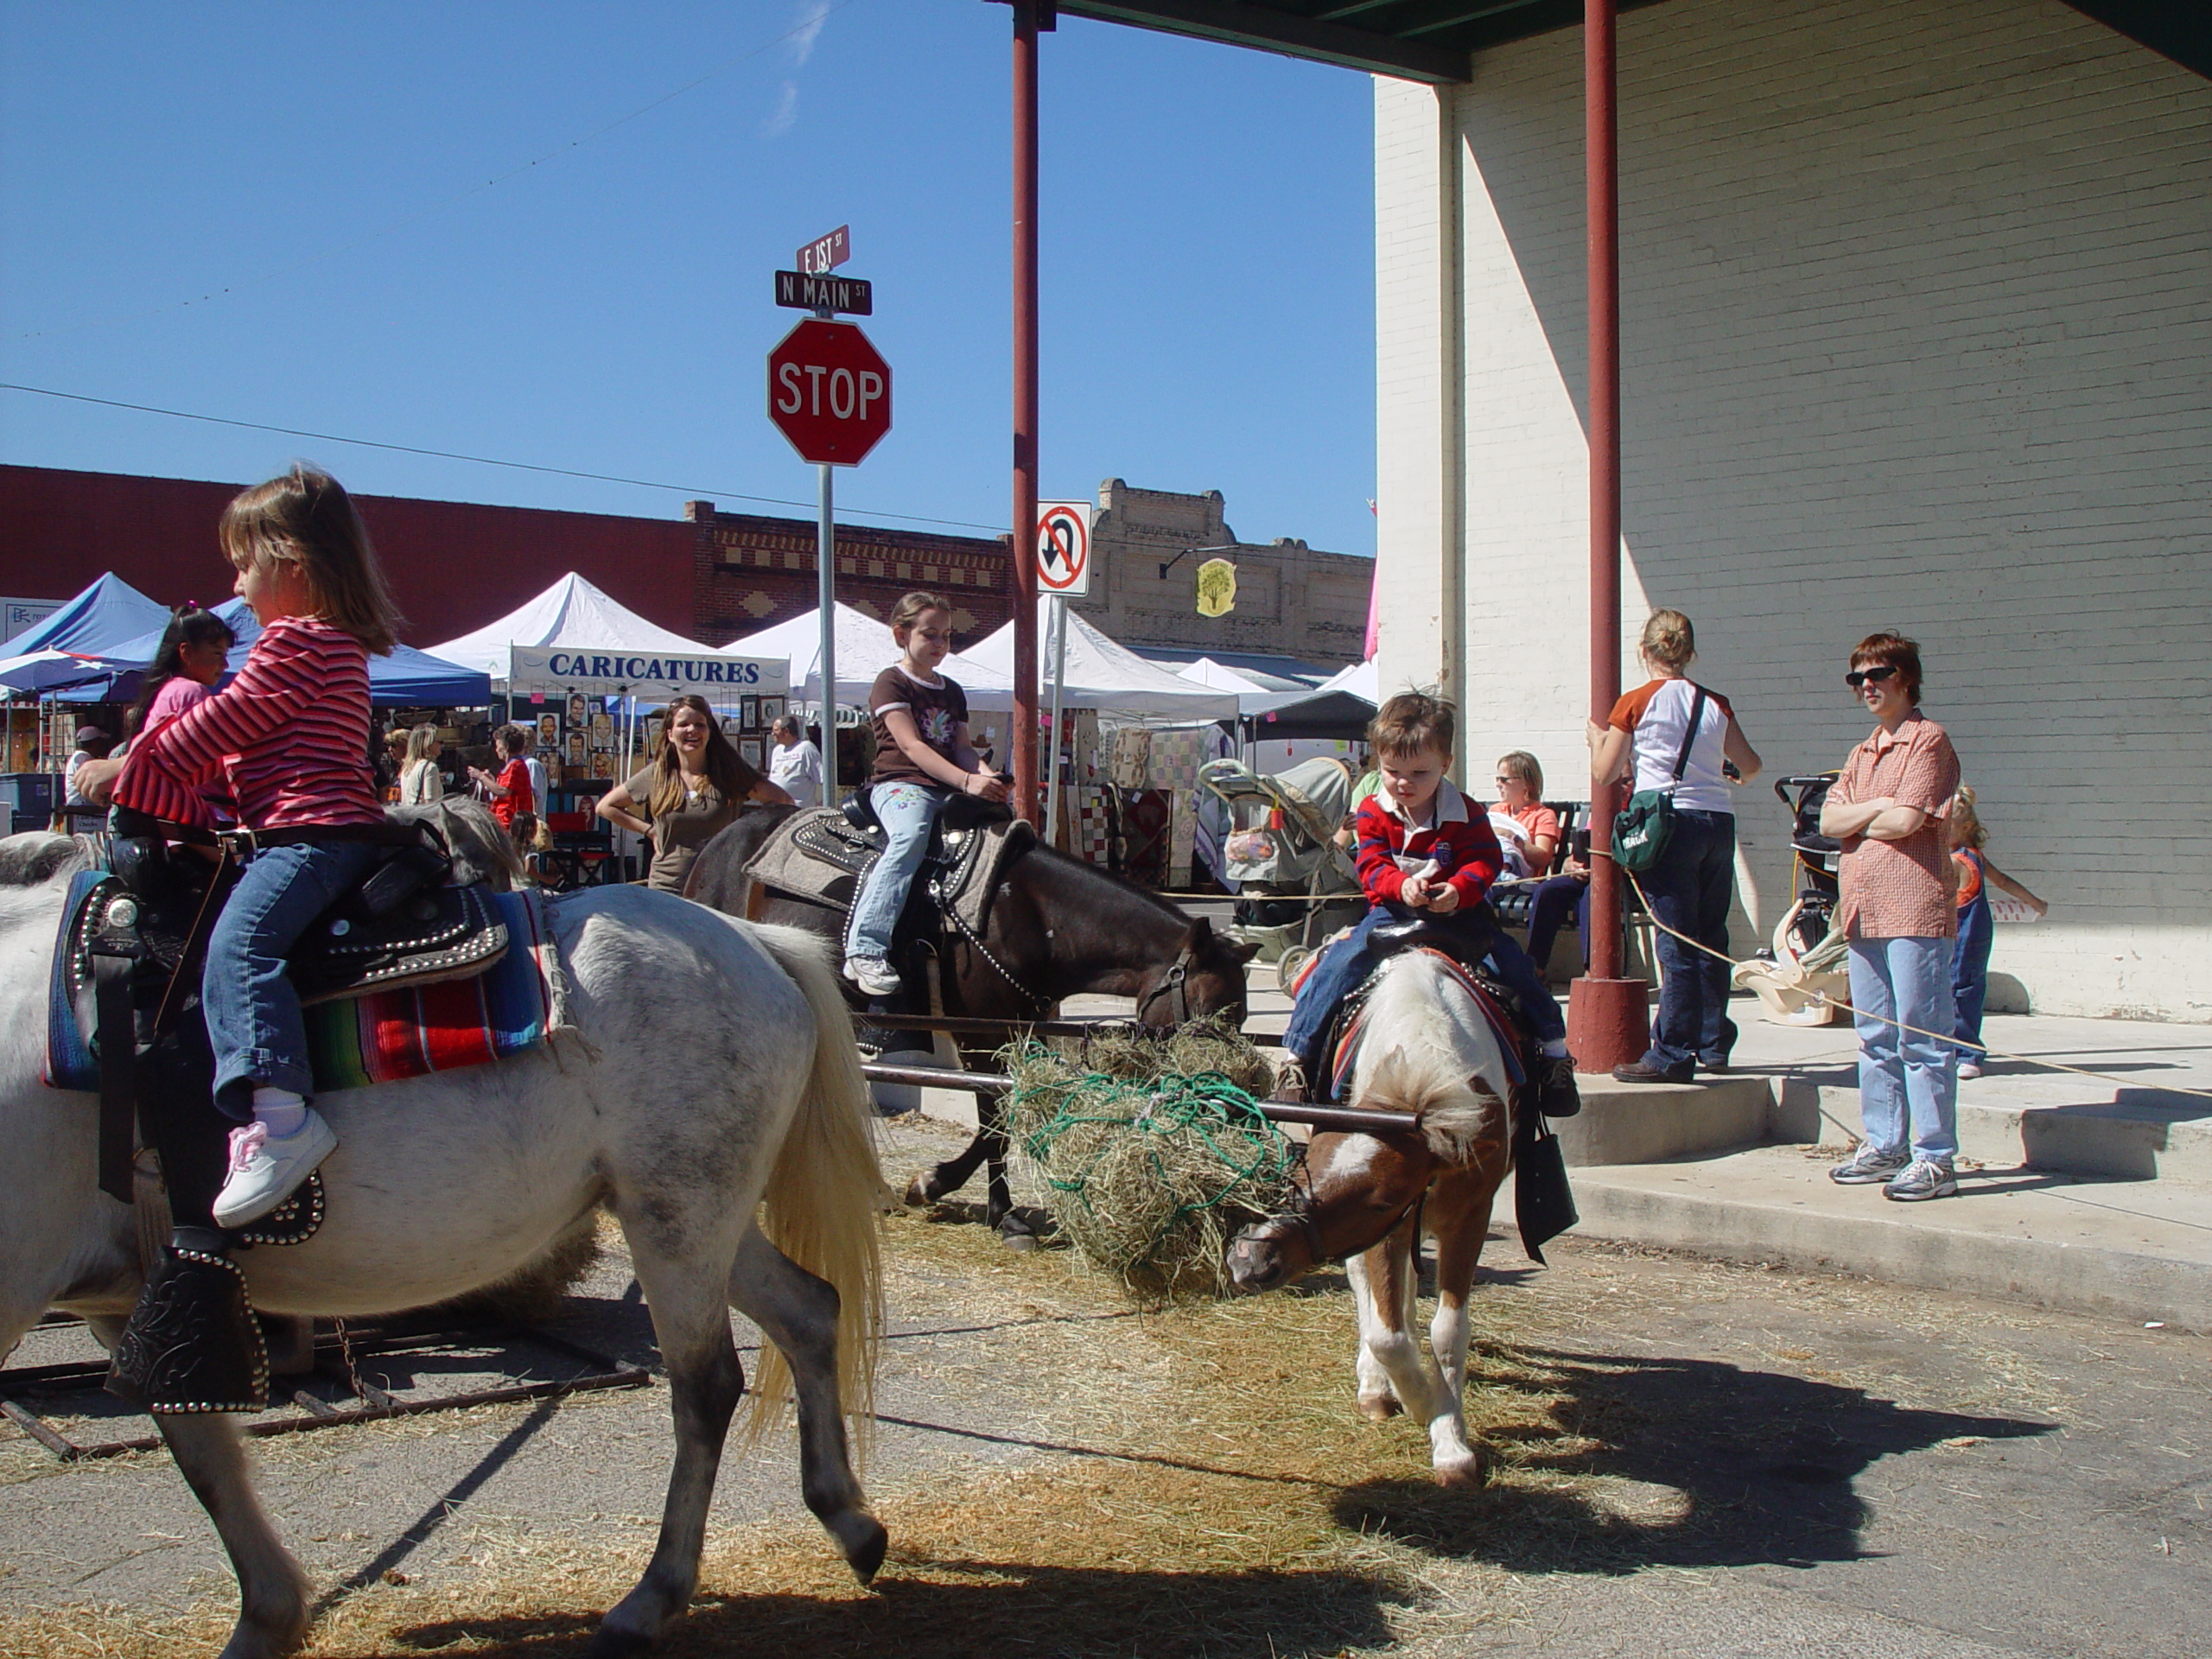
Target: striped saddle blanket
(384,1036)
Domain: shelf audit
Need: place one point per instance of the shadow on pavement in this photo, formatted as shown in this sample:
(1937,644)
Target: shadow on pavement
(1734,1468)
(988,1607)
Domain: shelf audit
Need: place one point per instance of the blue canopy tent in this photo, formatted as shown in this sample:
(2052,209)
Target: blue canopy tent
(407,677)
(106,613)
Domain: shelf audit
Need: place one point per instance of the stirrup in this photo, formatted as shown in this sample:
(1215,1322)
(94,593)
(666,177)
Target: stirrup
(192,1344)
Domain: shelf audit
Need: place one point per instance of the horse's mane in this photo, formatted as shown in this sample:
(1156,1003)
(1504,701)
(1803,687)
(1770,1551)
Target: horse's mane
(1428,1049)
(35,857)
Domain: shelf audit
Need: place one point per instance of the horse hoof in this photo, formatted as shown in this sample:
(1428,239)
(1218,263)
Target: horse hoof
(866,1554)
(1380,1408)
(1464,1474)
(922,1191)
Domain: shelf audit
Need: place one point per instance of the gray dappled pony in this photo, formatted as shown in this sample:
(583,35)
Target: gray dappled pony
(715,1075)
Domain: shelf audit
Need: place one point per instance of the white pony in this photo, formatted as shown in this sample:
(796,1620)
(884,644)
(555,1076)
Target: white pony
(716,1071)
(1426,1048)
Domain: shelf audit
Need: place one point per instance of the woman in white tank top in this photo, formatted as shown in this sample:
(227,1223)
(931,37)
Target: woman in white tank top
(1689,887)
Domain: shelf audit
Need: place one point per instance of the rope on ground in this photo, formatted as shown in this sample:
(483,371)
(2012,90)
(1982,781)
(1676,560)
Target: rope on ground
(1889,1019)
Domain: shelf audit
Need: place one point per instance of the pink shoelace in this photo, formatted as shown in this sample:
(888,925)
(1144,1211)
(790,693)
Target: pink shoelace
(244,1142)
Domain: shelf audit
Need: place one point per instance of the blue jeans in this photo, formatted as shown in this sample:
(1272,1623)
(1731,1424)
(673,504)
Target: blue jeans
(1970,972)
(1901,1074)
(906,812)
(1689,888)
(1557,895)
(253,1013)
(1347,962)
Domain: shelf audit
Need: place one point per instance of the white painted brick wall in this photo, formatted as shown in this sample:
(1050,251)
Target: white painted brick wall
(1916,330)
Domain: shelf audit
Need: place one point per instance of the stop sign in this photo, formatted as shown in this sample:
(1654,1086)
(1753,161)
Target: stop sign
(829,391)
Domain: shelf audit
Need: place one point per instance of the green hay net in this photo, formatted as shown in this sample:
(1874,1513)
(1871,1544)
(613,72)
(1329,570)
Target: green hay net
(1151,1152)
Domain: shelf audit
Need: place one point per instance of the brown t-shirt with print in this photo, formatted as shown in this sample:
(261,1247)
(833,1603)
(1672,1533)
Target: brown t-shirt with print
(939,711)
(678,835)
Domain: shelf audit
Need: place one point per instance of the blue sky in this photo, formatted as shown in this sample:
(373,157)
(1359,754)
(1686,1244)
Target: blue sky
(1207,249)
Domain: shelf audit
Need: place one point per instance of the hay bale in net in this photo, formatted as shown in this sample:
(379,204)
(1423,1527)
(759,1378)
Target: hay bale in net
(1150,1150)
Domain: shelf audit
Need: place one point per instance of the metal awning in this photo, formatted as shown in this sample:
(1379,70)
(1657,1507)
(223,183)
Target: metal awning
(1432,39)
(1413,39)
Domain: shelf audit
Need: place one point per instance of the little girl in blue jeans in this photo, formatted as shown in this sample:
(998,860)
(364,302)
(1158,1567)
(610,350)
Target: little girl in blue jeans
(922,758)
(289,737)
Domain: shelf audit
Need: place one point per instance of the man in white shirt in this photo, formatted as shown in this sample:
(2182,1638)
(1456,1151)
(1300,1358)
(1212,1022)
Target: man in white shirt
(539,784)
(794,764)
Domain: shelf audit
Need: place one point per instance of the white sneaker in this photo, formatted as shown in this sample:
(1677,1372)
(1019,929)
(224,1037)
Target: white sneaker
(873,974)
(1969,1069)
(267,1169)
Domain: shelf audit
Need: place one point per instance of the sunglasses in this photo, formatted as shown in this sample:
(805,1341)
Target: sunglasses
(1858,677)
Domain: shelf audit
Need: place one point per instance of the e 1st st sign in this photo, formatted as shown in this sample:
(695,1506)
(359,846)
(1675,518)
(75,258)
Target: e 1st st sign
(829,392)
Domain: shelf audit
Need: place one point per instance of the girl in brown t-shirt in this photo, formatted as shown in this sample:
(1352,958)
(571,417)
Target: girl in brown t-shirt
(690,794)
(922,757)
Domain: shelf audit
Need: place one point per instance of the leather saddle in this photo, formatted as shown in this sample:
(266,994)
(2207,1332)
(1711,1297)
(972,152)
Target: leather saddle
(822,855)
(1466,939)
(400,924)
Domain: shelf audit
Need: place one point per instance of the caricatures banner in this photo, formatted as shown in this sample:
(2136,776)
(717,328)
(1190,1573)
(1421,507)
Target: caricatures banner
(644,673)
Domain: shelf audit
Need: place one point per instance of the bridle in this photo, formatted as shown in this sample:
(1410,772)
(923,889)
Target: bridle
(1299,1216)
(1175,985)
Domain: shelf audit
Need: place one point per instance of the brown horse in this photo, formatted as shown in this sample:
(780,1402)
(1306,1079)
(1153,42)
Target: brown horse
(1058,928)
(1367,1200)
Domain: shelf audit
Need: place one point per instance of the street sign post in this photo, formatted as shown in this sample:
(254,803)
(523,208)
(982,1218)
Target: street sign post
(1063,571)
(829,395)
(854,295)
(826,253)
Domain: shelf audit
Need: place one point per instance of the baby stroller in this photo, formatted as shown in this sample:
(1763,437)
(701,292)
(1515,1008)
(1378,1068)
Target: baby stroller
(1805,966)
(1281,852)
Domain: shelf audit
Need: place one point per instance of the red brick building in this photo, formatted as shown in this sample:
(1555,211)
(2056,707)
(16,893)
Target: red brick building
(456,565)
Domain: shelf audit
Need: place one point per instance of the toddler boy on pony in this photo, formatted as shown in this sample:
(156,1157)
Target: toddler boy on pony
(1422,854)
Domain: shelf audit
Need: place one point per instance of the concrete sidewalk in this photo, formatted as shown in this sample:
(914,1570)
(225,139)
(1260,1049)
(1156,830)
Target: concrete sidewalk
(2087,1193)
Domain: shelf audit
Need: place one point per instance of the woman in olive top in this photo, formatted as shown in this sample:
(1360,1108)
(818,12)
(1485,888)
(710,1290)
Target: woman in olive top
(690,792)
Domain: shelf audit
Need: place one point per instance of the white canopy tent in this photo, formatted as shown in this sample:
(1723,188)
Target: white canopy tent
(1219,677)
(1361,679)
(865,648)
(571,612)
(1101,674)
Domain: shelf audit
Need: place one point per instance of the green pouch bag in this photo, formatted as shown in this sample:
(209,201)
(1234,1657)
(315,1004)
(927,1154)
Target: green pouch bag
(1643,828)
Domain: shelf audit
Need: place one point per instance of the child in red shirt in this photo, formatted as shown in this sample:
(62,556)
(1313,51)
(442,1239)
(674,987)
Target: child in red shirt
(1422,852)
(509,788)
(289,738)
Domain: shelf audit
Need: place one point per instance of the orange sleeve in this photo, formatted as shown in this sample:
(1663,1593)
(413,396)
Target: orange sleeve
(1630,710)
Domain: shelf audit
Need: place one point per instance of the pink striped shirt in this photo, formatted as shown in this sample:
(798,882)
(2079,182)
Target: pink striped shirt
(290,736)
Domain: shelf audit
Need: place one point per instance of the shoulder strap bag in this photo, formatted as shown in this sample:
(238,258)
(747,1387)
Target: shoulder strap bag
(1643,828)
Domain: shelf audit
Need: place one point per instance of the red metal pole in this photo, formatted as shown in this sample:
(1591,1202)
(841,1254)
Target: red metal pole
(1606,1013)
(1022,738)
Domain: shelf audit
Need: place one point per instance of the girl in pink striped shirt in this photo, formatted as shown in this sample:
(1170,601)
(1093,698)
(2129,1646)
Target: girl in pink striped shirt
(289,737)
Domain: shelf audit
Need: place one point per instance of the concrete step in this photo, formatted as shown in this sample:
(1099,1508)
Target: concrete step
(1646,1123)
(2128,1134)
(2136,1250)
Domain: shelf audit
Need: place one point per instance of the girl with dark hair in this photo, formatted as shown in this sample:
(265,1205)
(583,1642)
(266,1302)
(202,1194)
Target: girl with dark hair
(689,795)
(194,650)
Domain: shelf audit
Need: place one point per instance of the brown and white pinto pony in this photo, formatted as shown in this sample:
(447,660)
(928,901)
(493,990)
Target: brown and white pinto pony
(1367,1200)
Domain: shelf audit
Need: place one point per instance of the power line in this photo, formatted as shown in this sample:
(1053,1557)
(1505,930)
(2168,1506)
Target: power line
(691,491)
(809,25)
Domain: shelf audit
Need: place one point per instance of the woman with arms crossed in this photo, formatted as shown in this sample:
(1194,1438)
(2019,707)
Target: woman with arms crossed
(1888,809)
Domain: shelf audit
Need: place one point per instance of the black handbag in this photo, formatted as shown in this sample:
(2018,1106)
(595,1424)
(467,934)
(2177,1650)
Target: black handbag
(1543,1203)
(1643,828)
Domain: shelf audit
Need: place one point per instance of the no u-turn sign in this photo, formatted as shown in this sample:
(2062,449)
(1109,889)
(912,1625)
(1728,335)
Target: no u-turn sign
(1064,548)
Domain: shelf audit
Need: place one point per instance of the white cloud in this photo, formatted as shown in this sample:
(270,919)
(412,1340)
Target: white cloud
(816,14)
(786,112)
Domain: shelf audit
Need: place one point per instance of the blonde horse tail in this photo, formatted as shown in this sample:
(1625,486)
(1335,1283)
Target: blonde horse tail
(822,1207)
